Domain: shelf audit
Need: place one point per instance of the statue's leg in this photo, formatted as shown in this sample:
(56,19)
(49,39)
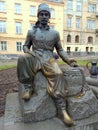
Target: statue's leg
(26,70)
(62,111)
(57,88)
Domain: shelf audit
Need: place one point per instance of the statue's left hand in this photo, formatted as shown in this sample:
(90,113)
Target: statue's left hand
(73,63)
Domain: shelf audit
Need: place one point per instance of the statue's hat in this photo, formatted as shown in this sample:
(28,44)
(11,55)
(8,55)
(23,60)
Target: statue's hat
(43,7)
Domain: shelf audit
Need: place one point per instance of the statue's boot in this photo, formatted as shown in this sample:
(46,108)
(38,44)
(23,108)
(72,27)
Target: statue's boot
(28,92)
(62,112)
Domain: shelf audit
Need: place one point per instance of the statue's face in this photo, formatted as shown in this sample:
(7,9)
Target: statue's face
(43,17)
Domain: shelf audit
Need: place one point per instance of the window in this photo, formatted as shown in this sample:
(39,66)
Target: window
(87,50)
(68,50)
(18,28)
(76,49)
(17,8)
(76,39)
(69,38)
(91,49)
(90,39)
(69,22)
(78,6)
(52,13)
(32,10)
(2,6)
(2,26)
(3,46)
(92,8)
(78,22)
(70,4)
(19,46)
(91,24)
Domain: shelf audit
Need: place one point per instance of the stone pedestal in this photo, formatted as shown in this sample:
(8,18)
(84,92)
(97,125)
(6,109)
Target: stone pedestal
(13,119)
(39,107)
(39,113)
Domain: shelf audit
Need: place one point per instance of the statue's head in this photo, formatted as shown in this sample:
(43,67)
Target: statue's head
(43,13)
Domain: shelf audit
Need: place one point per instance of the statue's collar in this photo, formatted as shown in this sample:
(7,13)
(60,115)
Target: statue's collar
(44,28)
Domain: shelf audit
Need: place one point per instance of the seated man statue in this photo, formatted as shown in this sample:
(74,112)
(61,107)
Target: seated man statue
(43,41)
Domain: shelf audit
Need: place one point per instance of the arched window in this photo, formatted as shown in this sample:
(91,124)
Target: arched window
(90,39)
(76,39)
(68,38)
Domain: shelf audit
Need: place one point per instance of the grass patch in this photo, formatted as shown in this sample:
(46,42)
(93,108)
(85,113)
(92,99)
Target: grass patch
(7,67)
(82,62)
(79,62)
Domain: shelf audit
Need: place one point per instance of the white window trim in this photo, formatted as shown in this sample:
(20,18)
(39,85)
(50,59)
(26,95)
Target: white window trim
(18,8)
(2,26)
(18,28)
(2,6)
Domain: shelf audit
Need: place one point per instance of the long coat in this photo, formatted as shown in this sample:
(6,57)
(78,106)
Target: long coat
(43,43)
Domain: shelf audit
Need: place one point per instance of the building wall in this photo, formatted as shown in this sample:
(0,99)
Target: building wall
(82,32)
(25,19)
(59,22)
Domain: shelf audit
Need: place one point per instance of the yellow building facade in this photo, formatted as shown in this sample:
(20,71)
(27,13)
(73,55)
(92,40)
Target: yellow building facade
(76,21)
(17,17)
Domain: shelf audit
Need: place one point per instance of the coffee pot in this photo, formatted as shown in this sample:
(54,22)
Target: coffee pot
(93,70)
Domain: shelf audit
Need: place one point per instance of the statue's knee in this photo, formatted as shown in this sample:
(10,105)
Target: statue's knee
(24,57)
(21,59)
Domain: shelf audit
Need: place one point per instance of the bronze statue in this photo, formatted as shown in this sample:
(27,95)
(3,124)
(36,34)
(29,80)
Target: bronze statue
(43,41)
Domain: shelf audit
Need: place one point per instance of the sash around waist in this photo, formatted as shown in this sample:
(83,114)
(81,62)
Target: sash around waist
(42,52)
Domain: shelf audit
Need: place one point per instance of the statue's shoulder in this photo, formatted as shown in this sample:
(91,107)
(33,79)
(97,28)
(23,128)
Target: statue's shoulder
(53,31)
(32,31)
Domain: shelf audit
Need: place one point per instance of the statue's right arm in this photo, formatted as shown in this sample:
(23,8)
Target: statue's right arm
(28,43)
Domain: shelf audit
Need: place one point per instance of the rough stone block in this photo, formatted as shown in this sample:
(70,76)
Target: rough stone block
(39,107)
(74,80)
(83,106)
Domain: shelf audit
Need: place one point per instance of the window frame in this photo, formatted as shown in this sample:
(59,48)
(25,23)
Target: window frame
(2,26)
(91,8)
(18,28)
(2,6)
(52,13)
(70,4)
(19,46)
(91,24)
(32,10)
(69,22)
(78,6)
(3,46)
(78,23)
(17,8)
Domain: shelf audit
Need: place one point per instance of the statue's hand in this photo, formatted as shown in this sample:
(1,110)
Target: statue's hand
(73,63)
